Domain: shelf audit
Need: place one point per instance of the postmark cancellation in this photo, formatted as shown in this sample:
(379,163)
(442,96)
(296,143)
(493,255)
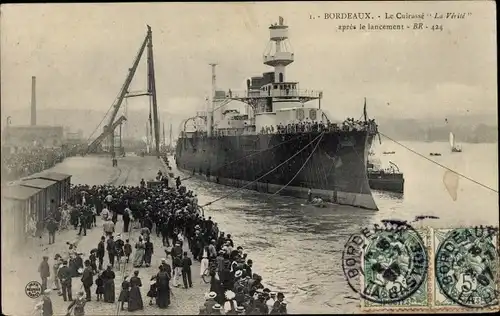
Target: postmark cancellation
(454,270)
(465,277)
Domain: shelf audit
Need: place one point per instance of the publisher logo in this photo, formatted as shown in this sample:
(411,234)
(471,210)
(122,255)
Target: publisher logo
(33,289)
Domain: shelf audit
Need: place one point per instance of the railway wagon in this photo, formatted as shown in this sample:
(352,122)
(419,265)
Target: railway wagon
(49,192)
(20,205)
(63,185)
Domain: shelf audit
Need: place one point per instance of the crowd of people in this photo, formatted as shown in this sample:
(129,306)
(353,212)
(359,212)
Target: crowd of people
(27,161)
(314,126)
(170,212)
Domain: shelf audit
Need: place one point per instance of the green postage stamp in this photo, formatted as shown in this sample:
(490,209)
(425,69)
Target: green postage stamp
(462,271)
(396,270)
(465,276)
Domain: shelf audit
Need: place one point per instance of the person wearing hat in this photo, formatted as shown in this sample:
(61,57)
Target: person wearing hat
(163,288)
(212,252)
(279,307)
(210,301)
(47,309)
(55,268)
(108,227)
(217,309)
(240,310)
(119,252)
(78,305)
(271,300)
(135,301)
(230,305)
(64,275)
(186,270)
(101,249)
(87,279)
(99,282)
(167,267)
(44,271)
(139,253)
(108,276)
(111,248)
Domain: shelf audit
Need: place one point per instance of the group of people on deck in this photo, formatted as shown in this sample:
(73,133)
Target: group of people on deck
(314,126)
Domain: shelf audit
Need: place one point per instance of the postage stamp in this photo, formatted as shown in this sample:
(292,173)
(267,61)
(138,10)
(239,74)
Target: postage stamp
(387,265)
(466,269)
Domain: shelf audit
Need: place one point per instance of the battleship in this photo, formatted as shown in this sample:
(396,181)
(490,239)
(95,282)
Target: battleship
(279,144)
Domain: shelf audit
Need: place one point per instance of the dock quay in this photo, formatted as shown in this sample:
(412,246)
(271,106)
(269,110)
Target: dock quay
(21,266)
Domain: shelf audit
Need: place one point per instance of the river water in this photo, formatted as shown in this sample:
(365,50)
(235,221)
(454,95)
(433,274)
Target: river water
(297,249)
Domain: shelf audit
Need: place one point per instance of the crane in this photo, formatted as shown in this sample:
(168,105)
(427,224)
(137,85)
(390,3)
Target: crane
(124,93)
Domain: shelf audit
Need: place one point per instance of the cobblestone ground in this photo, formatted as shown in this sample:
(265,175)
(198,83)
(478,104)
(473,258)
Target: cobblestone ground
(21,266)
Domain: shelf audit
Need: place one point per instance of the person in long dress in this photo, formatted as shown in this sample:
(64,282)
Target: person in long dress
(108,277)
(135,298)
(139,253)
(163,286)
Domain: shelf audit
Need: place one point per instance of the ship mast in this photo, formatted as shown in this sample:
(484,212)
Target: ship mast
(170,144)
(281,56)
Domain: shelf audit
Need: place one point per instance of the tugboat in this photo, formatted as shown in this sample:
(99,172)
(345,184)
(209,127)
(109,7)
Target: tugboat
(279,145)
(390,179)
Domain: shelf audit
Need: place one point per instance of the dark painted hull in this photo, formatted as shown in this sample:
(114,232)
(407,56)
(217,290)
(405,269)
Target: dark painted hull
(391,182)
(335,170)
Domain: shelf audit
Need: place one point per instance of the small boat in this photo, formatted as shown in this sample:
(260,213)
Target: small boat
(389,152)
(391,179)
(318,202)
(454,147)
(434,154)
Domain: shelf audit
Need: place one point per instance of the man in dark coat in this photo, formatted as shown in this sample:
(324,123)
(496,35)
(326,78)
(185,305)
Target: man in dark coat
(52,227)
(164,232)
(111,248)
(83,223)
(64,275)
(100,251)
(87,279)
(186,270)
(44,271)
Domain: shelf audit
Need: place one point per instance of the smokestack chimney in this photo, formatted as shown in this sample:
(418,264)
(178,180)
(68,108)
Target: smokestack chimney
(33,101)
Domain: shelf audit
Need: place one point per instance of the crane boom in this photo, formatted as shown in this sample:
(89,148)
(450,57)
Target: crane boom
(109,130)
(119,100)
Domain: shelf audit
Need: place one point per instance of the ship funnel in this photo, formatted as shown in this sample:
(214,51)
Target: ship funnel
(33,101)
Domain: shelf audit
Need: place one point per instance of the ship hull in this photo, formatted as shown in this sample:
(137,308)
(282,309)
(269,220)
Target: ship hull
(390,182)
(332,164)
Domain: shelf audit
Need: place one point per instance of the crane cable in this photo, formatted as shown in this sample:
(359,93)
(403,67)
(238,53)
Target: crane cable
(441,165)
(104,117)
(267,173)
(303,165)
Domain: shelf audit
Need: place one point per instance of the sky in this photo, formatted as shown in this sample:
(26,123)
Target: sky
(80,54)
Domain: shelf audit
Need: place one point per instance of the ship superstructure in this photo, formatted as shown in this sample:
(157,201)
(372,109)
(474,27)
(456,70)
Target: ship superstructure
(279,144)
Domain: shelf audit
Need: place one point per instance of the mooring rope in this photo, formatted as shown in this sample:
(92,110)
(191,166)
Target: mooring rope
(441,165)
(303,165)
(267,173)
